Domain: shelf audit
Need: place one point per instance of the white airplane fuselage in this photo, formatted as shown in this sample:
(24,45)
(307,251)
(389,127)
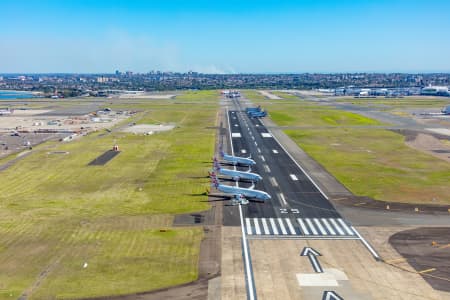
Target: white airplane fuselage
(238,175)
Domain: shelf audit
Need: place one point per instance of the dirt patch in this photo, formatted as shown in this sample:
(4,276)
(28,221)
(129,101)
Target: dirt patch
(104,158)
(427,250)
(270,95)
(148,128)
(430,145)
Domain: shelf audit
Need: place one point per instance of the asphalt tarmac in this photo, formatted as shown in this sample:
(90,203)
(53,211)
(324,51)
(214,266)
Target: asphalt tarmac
(294,195)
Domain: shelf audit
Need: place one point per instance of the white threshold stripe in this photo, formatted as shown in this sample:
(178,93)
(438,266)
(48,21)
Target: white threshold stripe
(265,227)
(321,229)
(311,226)
(249,226)
(293,177)
(330,228)
(291,228)
(283,229)
(257,229)
(346,228)
(274,227)
(336,226)
(303,227)
(275,151)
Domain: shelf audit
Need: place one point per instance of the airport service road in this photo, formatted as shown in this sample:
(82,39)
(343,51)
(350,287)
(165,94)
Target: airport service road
(297,209)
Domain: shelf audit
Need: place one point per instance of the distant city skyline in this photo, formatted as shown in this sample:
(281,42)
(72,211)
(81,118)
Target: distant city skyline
(331,36)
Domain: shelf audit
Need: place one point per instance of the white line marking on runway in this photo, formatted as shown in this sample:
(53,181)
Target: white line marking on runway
(275,151)
(253,138)
(244,151)
(281,196)
(303,227)
(321,229)
(283,230)
(273,181)
(345,227)
(327,225)
(262,158)
(259,150)
(249,227)
(236,134)
(265,227)
(338,228)
(256,144)
(291,228)
(236,125)
(257,229)
(266,168)
(311,226)
(266,135)
(293,177)
(257,125)
(274,227)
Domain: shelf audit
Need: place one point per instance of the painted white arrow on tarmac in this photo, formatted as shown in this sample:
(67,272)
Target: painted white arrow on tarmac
(331,295)
(312,255)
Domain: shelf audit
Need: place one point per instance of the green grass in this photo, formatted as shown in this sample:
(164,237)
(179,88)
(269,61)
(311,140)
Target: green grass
(303,113)
(57,213)
(393,103)
(377,163)
(369,161)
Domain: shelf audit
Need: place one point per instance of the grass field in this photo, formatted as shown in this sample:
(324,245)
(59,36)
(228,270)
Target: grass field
(303,113)
(377,163)
(393,103)
(368,161)
(57,213)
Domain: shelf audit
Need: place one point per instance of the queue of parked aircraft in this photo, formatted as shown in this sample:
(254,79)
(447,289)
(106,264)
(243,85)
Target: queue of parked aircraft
(240,195)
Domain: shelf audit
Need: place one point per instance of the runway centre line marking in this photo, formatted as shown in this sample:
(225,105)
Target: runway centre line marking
(275,151)
(291,228)
(311,226)
(321,229)
(303,227)
(293,177)
(256,144)
(298,165)
(346,228)
(273,181)
(266,168)
(257,229)
(274,227)
(259,150)
(281,196)
(249,226)
(283,229)
(262,158)
(330,228)
(265,227)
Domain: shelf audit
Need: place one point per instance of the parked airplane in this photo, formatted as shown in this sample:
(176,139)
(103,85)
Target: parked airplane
(6,111)
(237,175)
(240,195)
(257,114)
(237,160)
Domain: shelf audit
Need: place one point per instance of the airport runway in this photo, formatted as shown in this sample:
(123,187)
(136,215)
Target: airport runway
(297,208)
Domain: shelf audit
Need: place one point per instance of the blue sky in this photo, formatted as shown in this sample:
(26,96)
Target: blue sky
(225,36)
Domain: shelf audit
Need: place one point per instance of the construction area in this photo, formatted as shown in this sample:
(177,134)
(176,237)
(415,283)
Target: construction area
(25,128)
